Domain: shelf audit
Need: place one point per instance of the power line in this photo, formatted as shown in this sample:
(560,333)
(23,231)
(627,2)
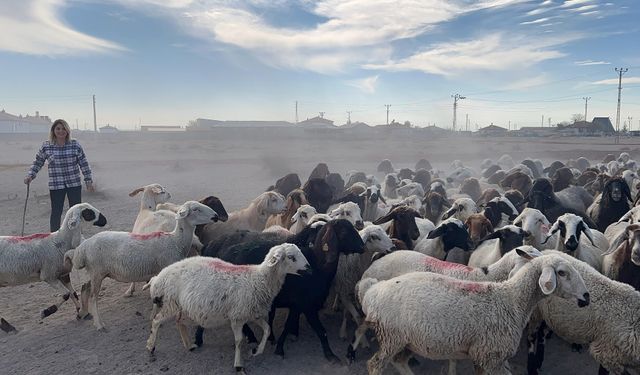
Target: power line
(620,71)
(456,97)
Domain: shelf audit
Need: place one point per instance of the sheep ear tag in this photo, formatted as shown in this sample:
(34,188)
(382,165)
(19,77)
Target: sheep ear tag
(325,247)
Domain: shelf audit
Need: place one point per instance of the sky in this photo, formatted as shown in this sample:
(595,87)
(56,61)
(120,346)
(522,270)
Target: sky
(165,62)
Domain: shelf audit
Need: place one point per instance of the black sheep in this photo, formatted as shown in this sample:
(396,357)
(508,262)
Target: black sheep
(404,227)
(319,194)
(543,198)
(286,184)
(303,294)
(614,202)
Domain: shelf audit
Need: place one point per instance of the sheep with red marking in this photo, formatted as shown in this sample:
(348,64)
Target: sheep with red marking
(40,257)
(131,257)
(209,291)
(480,321)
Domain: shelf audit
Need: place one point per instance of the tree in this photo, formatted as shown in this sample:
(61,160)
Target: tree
(407,124)
(577,117)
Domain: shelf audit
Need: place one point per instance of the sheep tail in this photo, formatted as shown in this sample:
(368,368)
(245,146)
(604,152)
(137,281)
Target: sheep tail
(148,285)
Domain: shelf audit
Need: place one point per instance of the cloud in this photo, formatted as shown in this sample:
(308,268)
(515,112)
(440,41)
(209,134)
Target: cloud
(539,20)
(367,85)
(583,8)
(614,81)
(35,27)
(490,53)
(528,82)
(570,3)
(591,62)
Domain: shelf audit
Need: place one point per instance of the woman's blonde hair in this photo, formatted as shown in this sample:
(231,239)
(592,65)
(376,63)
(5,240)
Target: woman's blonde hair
(52,134)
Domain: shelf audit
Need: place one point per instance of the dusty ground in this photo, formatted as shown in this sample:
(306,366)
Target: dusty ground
(236,170)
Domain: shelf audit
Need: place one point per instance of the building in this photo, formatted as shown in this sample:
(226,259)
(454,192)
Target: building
(598,127)
(316,123)
(493,131)
(109,129)
(24,124)
(536,131)
(206,124)
(154,128)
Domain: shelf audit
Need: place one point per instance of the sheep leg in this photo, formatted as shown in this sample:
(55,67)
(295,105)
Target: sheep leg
(130,291)
(388,349)
(236,326)
(272,315)
(314,322)
(85,293)
(359,334)
(6,326)
(355,315)
(184,337)
(266,330)
(248,333)
(198,338)
(66,281)
(453,365)
(57,285)
(155,326)
(96,283)
(401,362)
(292,320)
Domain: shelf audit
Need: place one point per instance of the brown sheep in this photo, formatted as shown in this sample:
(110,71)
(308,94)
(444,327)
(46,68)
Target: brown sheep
(516,198)
(562,178)
(586,177)
(487,195)
(497,177)
(295,199)
(479,227)
(471,187)
(434,205)
(518,181)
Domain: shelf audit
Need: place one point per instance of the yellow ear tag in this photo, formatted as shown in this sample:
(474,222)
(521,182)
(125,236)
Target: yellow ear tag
(325,247)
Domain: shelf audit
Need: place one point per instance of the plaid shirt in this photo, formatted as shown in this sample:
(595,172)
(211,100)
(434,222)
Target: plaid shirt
(63,164)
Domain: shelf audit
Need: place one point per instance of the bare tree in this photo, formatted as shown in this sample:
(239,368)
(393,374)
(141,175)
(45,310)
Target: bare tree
(577,117)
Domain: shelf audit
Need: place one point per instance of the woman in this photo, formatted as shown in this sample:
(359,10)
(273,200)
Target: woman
(65,155)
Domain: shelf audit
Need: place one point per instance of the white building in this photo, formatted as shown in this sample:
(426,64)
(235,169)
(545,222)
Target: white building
(28,124)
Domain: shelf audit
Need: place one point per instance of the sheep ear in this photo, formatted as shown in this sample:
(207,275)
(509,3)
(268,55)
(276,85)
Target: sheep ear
(182,212)
(494,235)
(135,192)
(547,280)
(587,231)
(388,217)
(528,253)
(626,217)
(277,257)
(439,231)
(156,190)
(551,232)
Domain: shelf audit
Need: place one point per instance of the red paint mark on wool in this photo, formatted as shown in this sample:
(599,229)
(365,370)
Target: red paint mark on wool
(469,286)
(147,236)
(220,265)
(441,265)
(37,236)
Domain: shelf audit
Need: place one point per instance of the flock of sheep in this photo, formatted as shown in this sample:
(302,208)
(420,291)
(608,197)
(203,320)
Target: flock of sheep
(445,265)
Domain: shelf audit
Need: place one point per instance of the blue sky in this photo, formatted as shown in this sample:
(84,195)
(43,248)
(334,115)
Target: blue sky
(165,62)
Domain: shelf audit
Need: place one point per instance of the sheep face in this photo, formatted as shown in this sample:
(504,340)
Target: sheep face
(349,211)
(348,238)
(533,223)
(510,237)
(84,213)
(404,226)
(157,191)
(634,240)
(376,239)
(562,279)
(303,214)
(373,194)
(571,227)
(453,235)
(461,209)
(435,204)
(270,203)
(196,213)
(290,256)
(617,189)
(479,226)
(215,204)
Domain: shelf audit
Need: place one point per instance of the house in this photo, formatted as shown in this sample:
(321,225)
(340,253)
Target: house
(316,123)
(206,124)
(109,129)
(28,124)
(493,131)
(603,124)
(536,131)
(599,126)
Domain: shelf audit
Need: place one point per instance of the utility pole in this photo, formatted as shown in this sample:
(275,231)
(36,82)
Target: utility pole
(296,112)
(95,123)
(586,100)
(620,71)
(629,118)
(388,106)
(456,97)
(549,120)
(349,117)
(466,123)
(509,128)
(321,114)
(542,123)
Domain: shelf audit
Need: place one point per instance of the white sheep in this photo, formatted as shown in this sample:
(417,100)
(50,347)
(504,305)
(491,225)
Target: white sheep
(408,188)
(632,216)
(209,291)
(253,217)
(372,209)
(481,321)
(132,257)
(609,325)
(349,211)
(40,257)
(461,209)
(351,267)
(570,228)
(152,196)
(301,218)
(630,178)
(401,262)
(535,226)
